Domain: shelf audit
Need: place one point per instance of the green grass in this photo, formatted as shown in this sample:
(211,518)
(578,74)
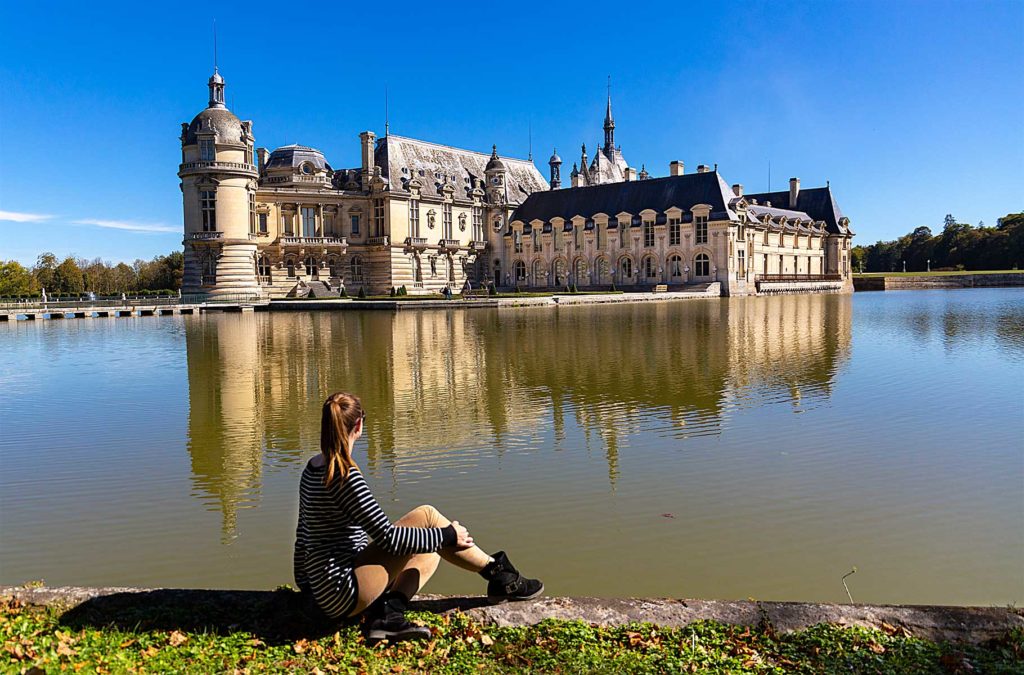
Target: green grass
(42,640)
(944,273)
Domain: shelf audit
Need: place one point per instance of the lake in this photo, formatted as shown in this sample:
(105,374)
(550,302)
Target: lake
(723,448)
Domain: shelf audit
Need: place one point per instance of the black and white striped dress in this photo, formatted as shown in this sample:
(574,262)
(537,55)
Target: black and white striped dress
(335,525)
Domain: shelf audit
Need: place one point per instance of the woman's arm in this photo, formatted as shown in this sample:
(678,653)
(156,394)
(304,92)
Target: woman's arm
(356,500)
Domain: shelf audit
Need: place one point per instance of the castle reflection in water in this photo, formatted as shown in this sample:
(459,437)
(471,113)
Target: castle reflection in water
(445,386)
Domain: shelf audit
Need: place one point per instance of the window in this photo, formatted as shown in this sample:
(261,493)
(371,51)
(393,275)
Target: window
(520,268)
(741,267)
(597,234)
(446,221)
(675,267)
(648,234)
(378,217)
(263,224)
(263,269)
(355,225)
(312,267)
(766,236)
(286,224)
(308,221)
(702,265)
(252,212)
(334,266)
(517,238)
(649,268)
(700,229)
(414,218)
(537,247)
(290,267)
(307,169)
(208,207)
(356,266)
(208,271)
(741,233)
(207,150)
(673,232)
(626,265)
(478,223)
(248,155)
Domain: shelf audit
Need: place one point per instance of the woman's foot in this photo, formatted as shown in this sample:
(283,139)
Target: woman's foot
(504,582)
(387,621)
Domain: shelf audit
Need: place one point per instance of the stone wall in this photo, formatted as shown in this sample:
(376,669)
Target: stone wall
(923,282)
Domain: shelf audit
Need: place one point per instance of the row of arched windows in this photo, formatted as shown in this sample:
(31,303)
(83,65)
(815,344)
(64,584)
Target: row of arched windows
(676,270)
(312,266)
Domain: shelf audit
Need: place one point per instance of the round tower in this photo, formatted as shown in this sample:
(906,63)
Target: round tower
(495,174)
(218,187)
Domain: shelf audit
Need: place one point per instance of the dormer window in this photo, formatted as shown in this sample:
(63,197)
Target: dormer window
(207,150)
(307,169)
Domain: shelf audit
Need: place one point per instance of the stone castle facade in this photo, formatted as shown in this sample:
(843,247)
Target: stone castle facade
(429,216)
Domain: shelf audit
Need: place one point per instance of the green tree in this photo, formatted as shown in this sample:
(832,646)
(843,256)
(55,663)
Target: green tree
(46,266)
(15,280)
(68,277)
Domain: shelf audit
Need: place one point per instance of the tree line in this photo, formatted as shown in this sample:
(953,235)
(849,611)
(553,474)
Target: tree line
(960,246)
(75,276)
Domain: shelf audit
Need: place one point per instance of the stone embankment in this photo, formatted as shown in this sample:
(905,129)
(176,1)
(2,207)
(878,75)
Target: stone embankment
(965,624)
(926,282)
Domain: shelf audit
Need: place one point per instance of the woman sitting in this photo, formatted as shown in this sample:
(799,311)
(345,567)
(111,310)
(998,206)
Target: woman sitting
(346,574)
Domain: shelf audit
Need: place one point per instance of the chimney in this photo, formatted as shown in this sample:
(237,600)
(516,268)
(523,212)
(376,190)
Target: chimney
(262,157)
(702,168)
(366,141)
(737,189)
(676,168)
(794,191)
(630,174)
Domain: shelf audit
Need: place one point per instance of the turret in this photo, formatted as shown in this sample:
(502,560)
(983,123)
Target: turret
(556,170)
(609,123)
(495,173)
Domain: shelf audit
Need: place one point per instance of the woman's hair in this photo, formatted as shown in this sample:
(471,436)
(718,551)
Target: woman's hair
(340,416)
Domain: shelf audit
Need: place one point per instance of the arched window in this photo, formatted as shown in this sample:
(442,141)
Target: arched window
(335,266)
(558,270)
(312,267)
(290,266)
(675,267)
(209,270)
(580,272)
(650,269)
(538,272)
(520,268)
(626,268)
(603,271)
(702,265)
(356,267)
(497,271)
(263,269)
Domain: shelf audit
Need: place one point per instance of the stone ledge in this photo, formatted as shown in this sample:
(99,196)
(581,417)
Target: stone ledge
(945,623)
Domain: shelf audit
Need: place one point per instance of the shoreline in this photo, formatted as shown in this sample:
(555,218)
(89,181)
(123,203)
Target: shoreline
(901,281)
(932,622)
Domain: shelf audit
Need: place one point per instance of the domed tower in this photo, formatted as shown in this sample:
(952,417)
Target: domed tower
(556,170)
(495,173)
(218,187)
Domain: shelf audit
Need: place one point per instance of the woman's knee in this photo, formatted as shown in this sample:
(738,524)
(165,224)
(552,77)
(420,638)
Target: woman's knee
(426,515)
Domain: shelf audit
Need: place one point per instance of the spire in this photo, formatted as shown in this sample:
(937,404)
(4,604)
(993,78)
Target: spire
(609,123)
(387,122)
(216,83)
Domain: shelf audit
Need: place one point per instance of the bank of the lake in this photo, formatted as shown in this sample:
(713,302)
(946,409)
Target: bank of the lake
(905,281)
(215,631)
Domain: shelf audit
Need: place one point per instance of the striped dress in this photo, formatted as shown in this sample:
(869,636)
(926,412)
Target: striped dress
(335,525)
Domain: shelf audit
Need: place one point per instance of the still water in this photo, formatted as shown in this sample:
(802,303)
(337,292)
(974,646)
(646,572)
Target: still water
(726,448)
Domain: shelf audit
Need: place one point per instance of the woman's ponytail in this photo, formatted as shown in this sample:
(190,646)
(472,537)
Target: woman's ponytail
(341,413)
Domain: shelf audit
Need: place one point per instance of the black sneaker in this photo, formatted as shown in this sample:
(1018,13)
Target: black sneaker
(389,623)
(504,582)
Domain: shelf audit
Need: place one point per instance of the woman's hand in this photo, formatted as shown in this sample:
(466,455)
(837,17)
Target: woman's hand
(463,540)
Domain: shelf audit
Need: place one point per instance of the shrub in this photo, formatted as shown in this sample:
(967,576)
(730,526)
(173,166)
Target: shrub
(362,292)
(492,289)
(392,292)
(343,293)
(574,289)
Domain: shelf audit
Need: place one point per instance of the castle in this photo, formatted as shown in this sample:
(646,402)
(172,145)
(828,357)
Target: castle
(427,216)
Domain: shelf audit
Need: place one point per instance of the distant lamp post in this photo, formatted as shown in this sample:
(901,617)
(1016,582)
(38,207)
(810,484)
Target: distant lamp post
(904,265)
(929,265)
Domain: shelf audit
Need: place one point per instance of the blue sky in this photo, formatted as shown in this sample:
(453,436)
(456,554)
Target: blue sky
(911,109)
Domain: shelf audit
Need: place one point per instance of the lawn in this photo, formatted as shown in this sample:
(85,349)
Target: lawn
(37,640)
(944,273)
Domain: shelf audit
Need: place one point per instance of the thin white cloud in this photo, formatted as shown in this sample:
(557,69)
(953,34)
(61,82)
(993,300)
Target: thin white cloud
(129,225)
(16,217)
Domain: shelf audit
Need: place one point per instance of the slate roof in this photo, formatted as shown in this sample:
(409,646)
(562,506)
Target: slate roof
(818,203)
(434,165)
(293,156)
(659,194)
(220,120)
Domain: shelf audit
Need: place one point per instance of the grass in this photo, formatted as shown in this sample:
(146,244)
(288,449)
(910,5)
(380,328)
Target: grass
(943,273)
(146,639)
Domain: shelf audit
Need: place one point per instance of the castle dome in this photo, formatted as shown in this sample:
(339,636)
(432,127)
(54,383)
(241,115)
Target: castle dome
(495,164)
(221,121)
(555,159)
(296,157)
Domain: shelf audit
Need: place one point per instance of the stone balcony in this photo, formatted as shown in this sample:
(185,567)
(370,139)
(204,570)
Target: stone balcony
(217,167)
(448,245)
(383,240)
(417,243)
(203,236)
(477,245)
(338,244)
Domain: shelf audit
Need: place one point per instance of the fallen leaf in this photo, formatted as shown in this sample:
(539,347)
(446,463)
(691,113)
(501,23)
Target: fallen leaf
(300,646)
(667,515)
(877,648)
(150,652)
(486,640)
(177,638)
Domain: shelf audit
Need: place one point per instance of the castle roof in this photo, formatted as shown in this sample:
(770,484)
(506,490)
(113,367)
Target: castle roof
(434,165)
(817,203)
(658,194)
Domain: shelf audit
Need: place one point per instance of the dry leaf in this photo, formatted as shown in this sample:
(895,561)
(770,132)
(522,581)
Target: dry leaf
(177,638)
(486,640)
(150,652)
(300,646)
